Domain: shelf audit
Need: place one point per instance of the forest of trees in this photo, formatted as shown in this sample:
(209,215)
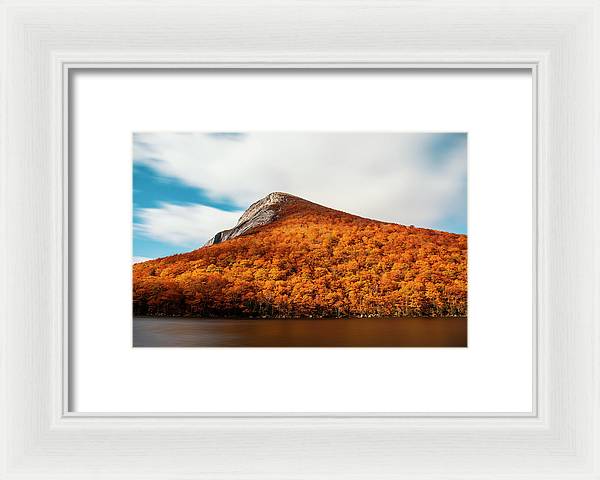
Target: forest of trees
(311,262)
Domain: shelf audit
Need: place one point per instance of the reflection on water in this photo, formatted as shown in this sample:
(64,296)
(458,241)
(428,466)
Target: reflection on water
(323,332)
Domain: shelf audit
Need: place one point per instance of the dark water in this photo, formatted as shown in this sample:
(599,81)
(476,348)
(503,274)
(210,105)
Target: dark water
(337,332)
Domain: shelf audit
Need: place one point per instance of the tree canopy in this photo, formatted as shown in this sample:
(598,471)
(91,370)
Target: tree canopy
(311,262)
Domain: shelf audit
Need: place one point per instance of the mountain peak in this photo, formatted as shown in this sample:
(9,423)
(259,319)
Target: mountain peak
(261,212)
(264,204)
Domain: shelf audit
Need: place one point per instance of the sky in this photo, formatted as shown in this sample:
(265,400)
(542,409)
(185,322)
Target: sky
(189,186)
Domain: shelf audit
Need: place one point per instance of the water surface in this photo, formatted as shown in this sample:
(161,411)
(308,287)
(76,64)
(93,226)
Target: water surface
(323,332)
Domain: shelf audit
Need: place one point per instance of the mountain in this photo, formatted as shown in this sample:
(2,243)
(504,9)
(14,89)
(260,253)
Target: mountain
(289,257)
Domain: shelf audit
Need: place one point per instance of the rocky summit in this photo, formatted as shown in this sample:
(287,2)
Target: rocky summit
(260,213)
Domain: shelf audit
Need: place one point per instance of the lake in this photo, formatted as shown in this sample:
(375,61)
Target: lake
(322,332)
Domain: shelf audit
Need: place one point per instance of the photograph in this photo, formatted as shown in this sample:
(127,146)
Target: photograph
(299,239)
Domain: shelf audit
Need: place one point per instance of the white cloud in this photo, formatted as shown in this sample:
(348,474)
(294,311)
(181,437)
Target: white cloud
(184,225)
(385,176)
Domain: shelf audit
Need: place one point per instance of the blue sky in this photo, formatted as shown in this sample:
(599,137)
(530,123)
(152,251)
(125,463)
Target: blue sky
(188,186)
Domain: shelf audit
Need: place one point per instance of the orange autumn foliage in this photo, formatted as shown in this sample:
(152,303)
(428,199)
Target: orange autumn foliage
(312,261)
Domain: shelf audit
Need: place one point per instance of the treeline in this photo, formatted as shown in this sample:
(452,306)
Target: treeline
(313,262)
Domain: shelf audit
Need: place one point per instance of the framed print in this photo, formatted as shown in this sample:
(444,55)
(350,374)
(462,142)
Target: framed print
(359,234)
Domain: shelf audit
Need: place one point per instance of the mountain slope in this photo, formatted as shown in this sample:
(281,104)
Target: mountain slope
(288,257)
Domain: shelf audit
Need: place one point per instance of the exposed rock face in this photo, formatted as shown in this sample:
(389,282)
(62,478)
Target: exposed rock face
(258,214)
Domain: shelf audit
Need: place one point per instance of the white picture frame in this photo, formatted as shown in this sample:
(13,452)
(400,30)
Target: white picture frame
(557,40)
